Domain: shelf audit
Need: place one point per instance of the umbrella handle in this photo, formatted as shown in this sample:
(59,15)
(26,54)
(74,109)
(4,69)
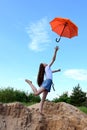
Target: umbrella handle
(57,40)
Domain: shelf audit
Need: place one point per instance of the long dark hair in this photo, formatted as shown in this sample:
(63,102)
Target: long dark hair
(40,76)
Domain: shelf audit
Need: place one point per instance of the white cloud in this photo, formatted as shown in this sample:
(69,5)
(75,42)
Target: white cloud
(76,74)
(38,34)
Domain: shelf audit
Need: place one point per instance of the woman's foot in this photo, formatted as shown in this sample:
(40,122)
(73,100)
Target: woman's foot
(28,81)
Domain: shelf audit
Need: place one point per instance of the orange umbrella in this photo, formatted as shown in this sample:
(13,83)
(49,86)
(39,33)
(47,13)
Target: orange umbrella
(64,27)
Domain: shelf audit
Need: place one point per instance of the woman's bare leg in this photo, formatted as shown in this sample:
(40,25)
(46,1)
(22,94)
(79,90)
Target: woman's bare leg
(42,101)
(36,92)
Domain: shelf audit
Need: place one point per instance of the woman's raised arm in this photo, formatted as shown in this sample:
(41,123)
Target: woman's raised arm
(54,56)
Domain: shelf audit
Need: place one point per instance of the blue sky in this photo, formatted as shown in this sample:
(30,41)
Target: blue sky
(26,40)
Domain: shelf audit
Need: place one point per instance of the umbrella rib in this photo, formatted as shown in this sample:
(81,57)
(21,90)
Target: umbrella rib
(63,28)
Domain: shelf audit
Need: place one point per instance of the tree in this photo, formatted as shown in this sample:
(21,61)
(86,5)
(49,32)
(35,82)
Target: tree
(63,98)
(78,97)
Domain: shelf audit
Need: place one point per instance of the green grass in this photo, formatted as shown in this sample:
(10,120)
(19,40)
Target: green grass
(83,109)
(28,104)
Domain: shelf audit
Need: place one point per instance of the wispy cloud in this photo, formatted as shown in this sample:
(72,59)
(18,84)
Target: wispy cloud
(38,34)
(76,74)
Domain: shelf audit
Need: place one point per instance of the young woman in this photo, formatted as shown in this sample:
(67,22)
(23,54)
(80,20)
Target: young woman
(45,85)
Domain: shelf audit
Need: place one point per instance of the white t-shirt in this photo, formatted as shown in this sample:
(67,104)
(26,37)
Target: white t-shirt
(48,72)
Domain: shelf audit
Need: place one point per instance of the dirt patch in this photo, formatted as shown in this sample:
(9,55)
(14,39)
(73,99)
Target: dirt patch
(57,116)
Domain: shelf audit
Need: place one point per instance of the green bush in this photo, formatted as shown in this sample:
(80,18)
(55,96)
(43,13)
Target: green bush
(10,95)
(7,95)
(63,98)
(32,98)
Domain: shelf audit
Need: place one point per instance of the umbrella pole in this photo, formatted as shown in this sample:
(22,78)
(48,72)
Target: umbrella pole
(57,40)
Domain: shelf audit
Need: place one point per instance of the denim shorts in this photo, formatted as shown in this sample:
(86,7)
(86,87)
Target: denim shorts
(47,84)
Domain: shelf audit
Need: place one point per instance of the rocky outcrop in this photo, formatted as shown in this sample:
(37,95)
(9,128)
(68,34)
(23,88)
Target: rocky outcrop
(14,116)
(57,116)
(65,117)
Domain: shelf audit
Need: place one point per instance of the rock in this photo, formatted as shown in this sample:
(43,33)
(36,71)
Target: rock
(57,116)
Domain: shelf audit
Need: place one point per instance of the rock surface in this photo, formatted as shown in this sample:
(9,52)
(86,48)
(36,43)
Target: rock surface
(57,116)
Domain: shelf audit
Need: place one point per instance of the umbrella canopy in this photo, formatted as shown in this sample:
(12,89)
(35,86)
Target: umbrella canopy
(64,27)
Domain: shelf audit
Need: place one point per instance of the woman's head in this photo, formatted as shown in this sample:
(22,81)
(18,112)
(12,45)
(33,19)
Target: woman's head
(41,72)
